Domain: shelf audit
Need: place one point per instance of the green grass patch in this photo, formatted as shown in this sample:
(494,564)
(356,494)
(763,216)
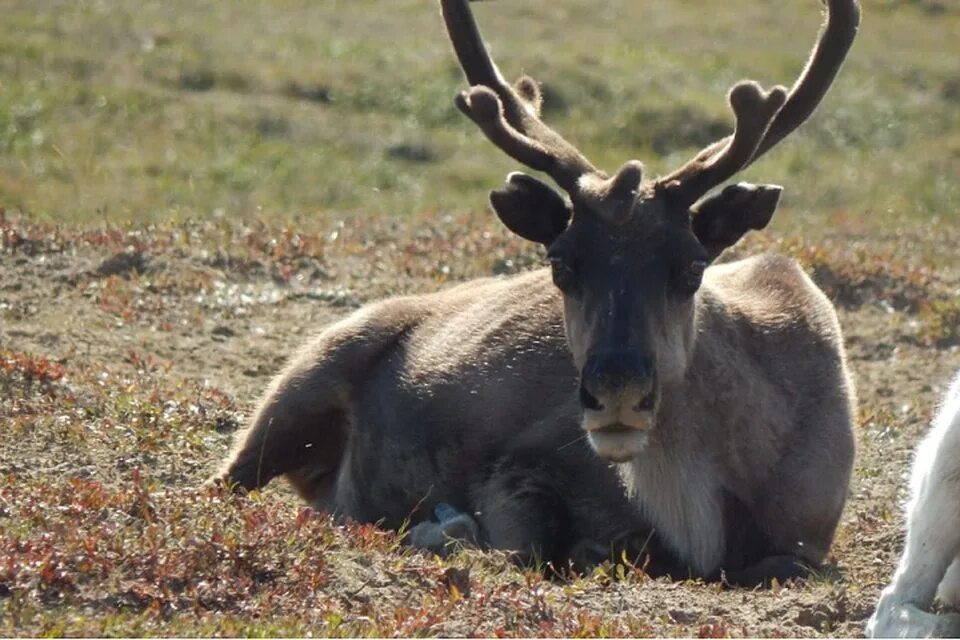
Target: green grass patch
(288,108)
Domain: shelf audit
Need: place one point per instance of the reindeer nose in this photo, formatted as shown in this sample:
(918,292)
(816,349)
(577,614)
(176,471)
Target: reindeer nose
(613,372)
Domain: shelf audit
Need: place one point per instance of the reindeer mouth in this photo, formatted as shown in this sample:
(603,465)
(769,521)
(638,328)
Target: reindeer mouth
(615,428)
(618,442)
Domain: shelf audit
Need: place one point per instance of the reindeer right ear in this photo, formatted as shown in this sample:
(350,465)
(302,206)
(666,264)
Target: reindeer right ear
(722,219)
(531,209)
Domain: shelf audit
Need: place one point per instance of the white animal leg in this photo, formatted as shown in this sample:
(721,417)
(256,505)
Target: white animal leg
(949,591)
(933,536)
(931,547)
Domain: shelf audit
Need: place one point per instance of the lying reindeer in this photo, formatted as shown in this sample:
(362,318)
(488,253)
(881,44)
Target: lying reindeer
(722,393)
(930,564)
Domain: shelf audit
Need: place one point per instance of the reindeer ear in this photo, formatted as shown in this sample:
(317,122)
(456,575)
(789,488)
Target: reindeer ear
(531,209)
(721,220)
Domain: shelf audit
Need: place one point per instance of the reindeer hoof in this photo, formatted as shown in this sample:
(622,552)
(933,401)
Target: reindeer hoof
(904,620)
(452,528)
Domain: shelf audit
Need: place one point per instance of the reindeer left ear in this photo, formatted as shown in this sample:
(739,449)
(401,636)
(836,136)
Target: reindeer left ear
(721,220)
(531,209)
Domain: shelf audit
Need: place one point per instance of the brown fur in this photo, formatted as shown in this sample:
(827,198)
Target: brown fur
(763,413)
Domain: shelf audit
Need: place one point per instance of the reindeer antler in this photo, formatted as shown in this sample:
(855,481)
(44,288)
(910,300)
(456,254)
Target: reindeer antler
(764,119)
(510,118)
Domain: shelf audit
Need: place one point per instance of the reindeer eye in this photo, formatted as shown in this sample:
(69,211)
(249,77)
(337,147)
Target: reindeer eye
(564,275)
(690,277)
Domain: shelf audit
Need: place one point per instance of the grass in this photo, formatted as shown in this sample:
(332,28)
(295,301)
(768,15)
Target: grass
(290,109)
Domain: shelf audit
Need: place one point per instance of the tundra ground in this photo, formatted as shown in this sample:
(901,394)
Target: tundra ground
(128,358)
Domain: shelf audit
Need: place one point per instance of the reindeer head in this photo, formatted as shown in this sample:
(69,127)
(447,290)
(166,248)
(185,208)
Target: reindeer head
(628,254)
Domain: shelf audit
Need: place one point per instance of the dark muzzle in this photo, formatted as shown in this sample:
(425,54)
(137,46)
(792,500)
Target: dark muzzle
(610,373)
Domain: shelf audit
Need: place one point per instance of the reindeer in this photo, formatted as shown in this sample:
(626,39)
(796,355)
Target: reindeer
(930,564)
(627,393)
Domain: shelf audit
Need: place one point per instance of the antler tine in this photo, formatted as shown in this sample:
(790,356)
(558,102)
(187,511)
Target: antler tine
(833,44)
(753,109)
(763,120)
(509,116)
(474,59)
